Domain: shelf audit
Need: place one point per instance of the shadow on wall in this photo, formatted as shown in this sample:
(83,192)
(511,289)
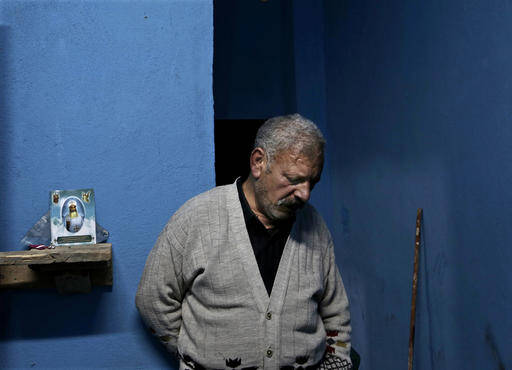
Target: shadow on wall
(159,349)
(44,317)
(254,60)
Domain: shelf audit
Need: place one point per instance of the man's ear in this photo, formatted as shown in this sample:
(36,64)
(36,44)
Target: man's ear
(258,162)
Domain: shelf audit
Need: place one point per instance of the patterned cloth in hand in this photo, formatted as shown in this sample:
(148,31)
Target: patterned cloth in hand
(334,363)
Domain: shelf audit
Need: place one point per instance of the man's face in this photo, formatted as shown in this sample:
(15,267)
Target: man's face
(287,184)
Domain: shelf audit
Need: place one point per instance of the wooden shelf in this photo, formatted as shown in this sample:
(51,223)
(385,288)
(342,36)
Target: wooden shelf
(71,269)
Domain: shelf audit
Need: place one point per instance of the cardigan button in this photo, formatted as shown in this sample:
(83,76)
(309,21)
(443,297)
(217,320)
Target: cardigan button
(269,315)
(269,353)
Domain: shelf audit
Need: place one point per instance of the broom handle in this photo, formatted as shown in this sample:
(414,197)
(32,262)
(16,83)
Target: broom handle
(415,285)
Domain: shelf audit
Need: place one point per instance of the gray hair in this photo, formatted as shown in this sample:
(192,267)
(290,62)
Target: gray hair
(289,132)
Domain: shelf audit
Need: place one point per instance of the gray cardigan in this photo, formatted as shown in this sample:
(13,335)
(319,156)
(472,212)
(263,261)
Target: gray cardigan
(202,294)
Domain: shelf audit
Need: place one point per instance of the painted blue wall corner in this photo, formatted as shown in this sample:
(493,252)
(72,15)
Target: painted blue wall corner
(111,95)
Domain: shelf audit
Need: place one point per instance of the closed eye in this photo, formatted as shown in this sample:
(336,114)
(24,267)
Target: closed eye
(298,180)
(295,180)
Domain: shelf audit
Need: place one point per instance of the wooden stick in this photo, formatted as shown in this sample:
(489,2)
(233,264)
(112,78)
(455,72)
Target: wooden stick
(415,285)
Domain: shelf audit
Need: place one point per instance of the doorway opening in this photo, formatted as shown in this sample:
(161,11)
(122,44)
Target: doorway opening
(234,140)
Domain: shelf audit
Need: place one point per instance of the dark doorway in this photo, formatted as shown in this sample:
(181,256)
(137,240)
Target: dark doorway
(234,140)
(253,76)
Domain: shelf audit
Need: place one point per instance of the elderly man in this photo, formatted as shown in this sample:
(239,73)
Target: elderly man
(243,276)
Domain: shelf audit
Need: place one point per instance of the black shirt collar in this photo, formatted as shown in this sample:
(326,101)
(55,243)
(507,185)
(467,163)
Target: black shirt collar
(251,220)
(267,244)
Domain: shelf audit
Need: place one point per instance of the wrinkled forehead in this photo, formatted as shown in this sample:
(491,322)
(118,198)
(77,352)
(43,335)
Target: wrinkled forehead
(314,157)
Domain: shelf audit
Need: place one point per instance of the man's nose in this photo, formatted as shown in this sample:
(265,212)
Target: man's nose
(303,191)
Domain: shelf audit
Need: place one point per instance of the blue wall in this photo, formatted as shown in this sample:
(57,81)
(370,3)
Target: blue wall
(414,98)
(418,106)
(253,62)
(113,95)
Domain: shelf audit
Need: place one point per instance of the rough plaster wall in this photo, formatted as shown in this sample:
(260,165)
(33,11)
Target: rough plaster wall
(113,95)
(418,102)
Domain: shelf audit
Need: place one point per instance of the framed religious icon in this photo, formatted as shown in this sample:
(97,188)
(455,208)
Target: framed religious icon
(72,217)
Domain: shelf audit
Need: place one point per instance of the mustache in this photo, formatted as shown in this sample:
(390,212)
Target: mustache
(290,203)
